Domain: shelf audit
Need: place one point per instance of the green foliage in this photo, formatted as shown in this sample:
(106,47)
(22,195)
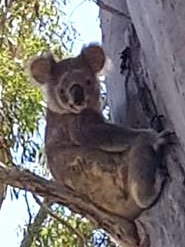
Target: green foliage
(20,102)
(26,28)
(54,234)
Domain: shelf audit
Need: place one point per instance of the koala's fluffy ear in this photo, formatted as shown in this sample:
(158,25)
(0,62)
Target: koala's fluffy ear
(41,68)
(94,56)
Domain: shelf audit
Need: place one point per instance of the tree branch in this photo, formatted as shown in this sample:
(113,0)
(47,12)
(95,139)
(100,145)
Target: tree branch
(34,227)
(59,193)
(26,180)
(82,241)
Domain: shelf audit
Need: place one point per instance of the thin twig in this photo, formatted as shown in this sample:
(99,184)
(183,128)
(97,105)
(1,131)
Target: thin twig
(28,208)
(76,7)
(33,228)
(62,221)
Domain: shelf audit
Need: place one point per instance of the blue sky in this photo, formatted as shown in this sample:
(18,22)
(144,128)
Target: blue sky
(85,18)
(84,15)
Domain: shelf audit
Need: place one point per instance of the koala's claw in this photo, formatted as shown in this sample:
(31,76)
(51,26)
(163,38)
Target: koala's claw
(163,172)
(166,134)
(157,122)
(165,137)
(145,241)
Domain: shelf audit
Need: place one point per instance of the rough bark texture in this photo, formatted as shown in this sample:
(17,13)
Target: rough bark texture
(152,64)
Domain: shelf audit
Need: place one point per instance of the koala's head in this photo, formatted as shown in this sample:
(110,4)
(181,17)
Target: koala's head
(70,85)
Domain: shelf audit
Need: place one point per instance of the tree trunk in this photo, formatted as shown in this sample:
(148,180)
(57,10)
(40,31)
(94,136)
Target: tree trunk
(152,64)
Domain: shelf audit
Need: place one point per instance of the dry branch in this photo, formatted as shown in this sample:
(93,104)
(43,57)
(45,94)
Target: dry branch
(59,193)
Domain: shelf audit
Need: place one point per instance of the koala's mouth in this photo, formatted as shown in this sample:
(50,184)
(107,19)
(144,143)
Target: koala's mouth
(76,109)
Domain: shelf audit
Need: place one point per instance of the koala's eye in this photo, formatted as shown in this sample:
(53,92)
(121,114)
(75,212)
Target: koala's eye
(61,91)
(88,82)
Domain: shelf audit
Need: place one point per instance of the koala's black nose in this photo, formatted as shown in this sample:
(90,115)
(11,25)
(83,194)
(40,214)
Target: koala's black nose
(77,94)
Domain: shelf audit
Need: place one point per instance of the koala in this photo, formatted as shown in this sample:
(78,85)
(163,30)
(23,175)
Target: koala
(116,168)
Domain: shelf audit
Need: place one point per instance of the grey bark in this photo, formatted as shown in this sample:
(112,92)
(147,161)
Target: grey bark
(155,39)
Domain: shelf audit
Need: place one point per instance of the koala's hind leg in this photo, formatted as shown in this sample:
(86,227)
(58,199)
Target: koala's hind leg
(145,180)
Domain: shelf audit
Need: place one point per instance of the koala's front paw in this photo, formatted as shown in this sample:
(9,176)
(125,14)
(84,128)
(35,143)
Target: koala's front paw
(163,138)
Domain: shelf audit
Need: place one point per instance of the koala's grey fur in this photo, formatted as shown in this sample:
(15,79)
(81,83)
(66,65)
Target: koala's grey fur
(115,167)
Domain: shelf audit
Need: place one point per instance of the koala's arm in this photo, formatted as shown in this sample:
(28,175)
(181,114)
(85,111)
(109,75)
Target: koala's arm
(109,137)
